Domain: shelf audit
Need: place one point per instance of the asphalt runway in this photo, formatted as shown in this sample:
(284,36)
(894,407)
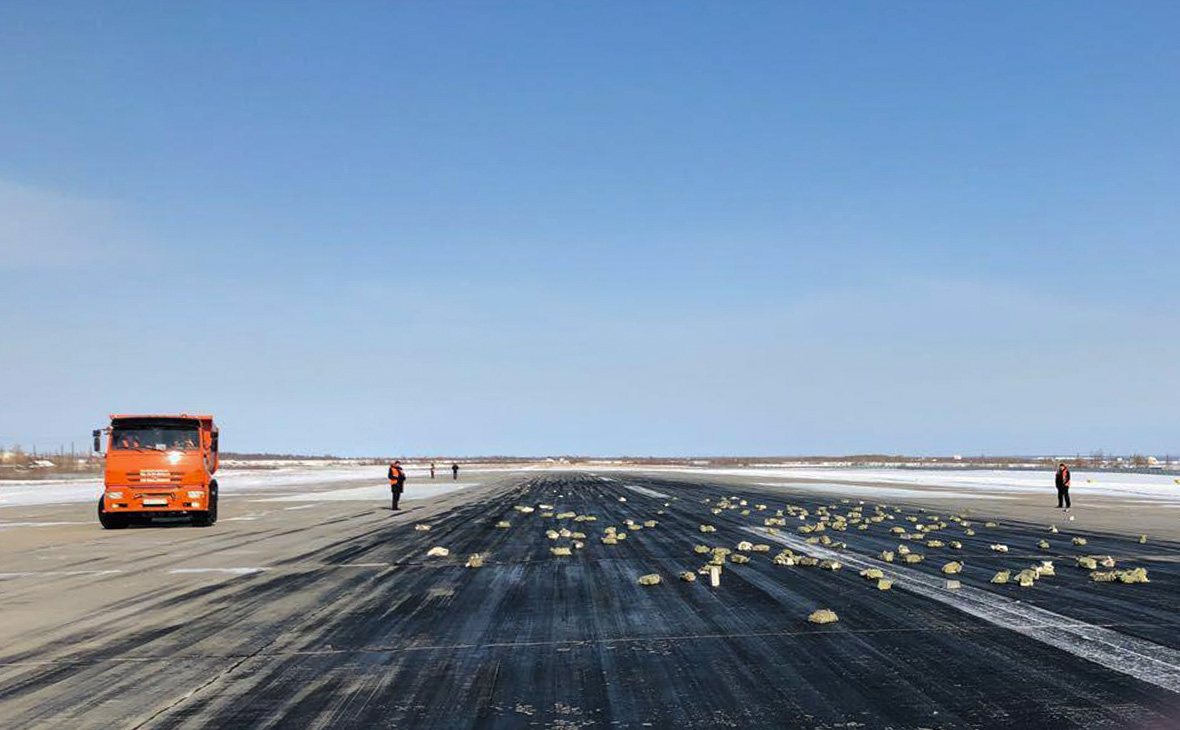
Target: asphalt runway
(334,616)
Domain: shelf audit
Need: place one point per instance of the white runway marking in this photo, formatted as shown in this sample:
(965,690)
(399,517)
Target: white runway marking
(1128,655)
(234,571)
(303,506)
(645,490)
(6,525)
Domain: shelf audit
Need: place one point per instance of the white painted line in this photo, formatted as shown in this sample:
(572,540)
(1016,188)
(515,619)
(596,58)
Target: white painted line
(365,565)
(234,571)
(1128,655)
(646,491)
(302,506)
(30,573)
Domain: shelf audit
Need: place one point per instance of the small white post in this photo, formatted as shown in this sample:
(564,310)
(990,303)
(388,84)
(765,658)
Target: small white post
(714,575)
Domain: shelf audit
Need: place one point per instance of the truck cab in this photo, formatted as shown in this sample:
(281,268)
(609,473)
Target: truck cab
(158,466)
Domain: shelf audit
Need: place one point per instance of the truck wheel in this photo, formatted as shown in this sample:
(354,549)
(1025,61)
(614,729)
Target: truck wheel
(209,517)
(109,521)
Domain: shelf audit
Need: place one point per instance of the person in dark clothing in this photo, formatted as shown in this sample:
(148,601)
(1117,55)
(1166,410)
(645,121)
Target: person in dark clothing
(1063,487)
(397,482)
(454,471)
(432,470)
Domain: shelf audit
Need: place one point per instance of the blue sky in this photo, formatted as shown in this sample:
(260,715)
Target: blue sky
(595,228)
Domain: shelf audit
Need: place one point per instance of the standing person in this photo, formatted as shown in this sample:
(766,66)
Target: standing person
(432,470)
(455,472)
(1063,487)
(397,482)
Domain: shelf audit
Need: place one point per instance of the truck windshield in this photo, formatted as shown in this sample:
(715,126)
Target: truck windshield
(155,437)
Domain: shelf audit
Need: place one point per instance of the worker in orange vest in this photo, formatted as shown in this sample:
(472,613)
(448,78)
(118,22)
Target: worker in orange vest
(397,482)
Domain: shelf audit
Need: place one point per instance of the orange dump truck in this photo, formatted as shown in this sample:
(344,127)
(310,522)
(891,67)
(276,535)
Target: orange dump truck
(158,466)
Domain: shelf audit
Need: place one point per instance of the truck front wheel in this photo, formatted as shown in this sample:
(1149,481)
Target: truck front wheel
(108,520)
(209,517)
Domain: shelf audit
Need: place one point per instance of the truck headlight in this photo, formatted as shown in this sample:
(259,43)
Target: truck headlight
(195,495)
(114,495)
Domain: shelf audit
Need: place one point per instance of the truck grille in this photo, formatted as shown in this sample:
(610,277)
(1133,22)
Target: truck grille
(154,476)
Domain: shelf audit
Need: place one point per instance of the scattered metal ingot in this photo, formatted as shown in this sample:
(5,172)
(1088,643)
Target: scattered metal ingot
(823,616)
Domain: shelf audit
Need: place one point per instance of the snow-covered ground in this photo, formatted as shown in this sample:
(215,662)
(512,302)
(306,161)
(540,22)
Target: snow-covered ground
(239,481)
(995,484)
(978,483)
(300,483)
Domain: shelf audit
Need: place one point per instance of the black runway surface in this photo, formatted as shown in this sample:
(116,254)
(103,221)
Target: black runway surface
(352,625)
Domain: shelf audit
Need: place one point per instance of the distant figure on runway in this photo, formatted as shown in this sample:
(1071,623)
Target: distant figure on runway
(1063,487)
(397,482)
(455,472)
(432,470)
